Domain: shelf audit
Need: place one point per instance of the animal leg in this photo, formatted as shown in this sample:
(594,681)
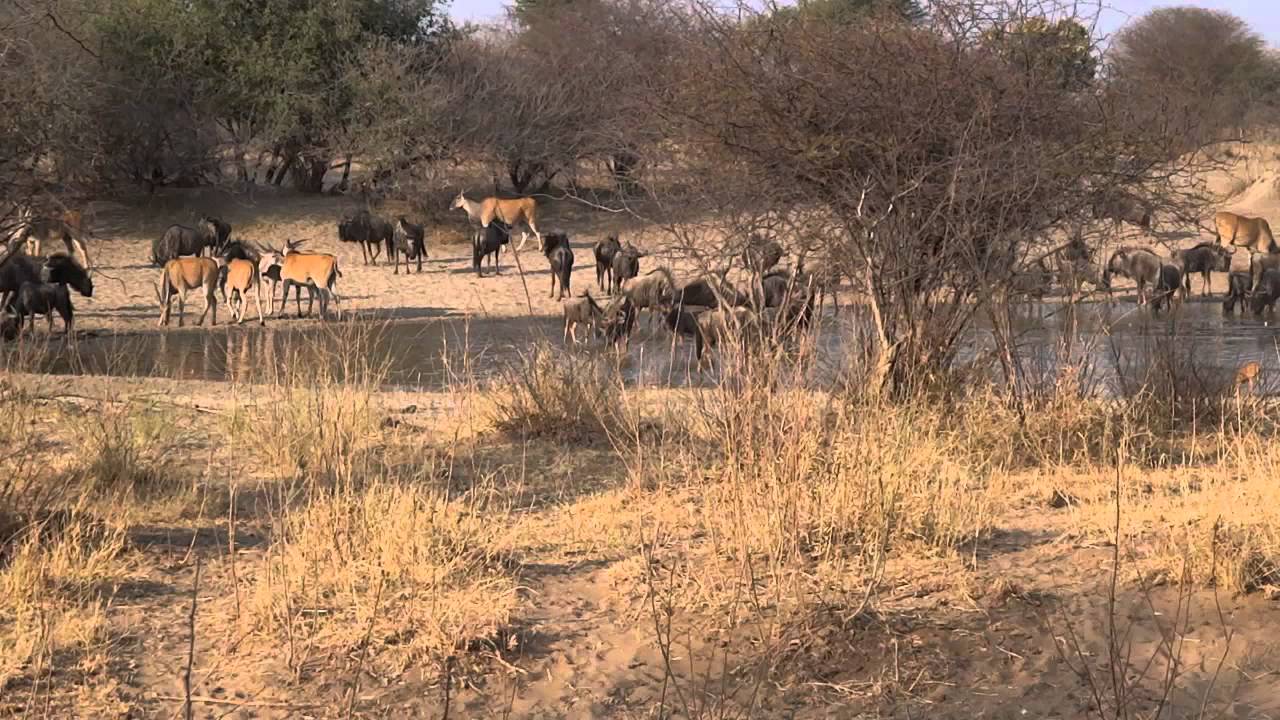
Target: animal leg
(182,308)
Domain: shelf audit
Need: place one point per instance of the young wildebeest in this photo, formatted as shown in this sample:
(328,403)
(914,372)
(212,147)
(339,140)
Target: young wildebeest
(580,311)
(556,247)
(605,250)
(182,275)
(626,265)
(1265,295)
(411,241)
(180,240)
(722,324)
(488,242)
(1138,264)
(51,295)
(1238,285)
(371,231)
(1204,258)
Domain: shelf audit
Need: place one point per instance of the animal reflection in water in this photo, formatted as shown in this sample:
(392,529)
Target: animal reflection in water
(237,356)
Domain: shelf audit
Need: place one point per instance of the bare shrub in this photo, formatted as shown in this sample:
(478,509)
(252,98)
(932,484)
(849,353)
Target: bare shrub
(562,395)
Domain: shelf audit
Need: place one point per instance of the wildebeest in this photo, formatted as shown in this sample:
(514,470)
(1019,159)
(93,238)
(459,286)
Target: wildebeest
(510,211)
(1238,286)
(1265,295)
(717,326)
(619,321)
(318,272)
(1204,258)
(626,265)
(556,247)
(182,275)
(1167,288)
(711,292)
(1246,232)
(16,269)
(604,252)
(651,291)
(488,242)
(761,255)
(581,311)
(369,230)
(407,239)
(1138,264)
(182,241)
(1260,263)
(49,294)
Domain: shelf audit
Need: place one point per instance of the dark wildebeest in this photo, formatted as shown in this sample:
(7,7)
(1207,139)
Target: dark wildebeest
(1259,263)
(371,231)
(761,255)
(1138,264)
(619,321)
(488,241)
(604,251)
(1265,295)
(1238,285)
(1167,288)
(407,239)
(710,292)
(556,247)
(180,240)
(50,294)
(626,265)
(1204,258)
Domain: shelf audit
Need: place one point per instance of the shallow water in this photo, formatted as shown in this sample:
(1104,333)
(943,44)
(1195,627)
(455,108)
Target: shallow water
(1114,341)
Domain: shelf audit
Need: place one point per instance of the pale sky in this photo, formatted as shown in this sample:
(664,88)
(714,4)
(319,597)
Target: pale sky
(1262,15)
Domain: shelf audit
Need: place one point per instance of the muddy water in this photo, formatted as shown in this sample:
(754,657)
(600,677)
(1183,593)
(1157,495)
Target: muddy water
(1114,341)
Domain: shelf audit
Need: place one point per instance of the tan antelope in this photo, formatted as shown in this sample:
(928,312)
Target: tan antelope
(1247,232)
(241,276)
(509,211)
(33,232)
(182,275)
(318,272)
(1247,375)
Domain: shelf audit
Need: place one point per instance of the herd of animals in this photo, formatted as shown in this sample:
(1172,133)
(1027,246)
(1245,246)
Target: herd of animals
(206,260)
(1163,282)
(707,309)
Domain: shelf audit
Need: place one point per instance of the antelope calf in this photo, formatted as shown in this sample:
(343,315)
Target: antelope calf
(580,311)
(182,275)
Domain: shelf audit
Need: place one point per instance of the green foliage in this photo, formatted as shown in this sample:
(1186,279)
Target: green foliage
(270,69)
(1059,52)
